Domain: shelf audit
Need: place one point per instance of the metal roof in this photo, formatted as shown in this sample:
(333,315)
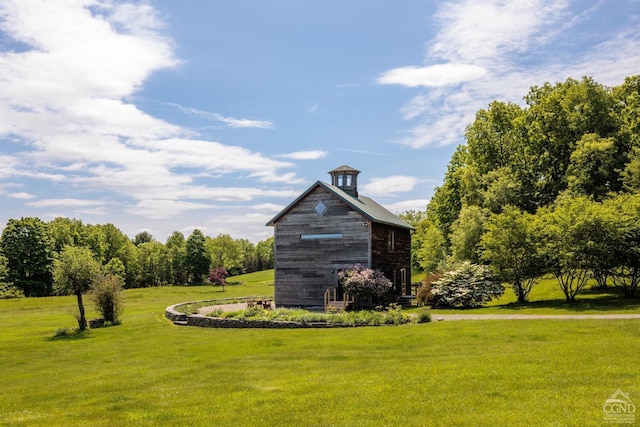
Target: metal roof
(365,205)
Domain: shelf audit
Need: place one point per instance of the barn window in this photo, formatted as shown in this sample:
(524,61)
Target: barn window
(321,236)
(392,240)
(320,208)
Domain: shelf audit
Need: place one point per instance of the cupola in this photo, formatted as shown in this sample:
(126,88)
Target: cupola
(345,178)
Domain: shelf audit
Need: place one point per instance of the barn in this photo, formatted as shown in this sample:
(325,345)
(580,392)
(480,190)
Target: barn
(329,228)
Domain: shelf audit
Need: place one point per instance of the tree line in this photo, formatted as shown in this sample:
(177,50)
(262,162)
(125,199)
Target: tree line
(552,187)
(30,246)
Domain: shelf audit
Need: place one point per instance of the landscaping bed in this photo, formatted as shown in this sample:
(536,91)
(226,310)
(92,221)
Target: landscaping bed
(248,314)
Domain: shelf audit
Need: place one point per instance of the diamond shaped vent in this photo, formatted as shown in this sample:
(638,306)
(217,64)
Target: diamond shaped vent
(320,208)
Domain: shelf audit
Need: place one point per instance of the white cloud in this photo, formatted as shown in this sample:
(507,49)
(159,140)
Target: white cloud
(433,75)
(408,205)
(388,186)
(65,97)
(243,123)
(164,208)
(305,155)
(64,202)
(232,122)
(21,196)
(500,38)
(483,30)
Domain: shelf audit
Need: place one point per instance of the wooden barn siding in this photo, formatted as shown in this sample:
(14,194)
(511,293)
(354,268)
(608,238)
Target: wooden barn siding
(306,268)
(387,261)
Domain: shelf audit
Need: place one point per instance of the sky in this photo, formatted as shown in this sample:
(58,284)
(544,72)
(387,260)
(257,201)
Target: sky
(166,115)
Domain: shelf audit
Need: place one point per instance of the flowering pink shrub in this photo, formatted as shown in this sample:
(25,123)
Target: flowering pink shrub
(364,282)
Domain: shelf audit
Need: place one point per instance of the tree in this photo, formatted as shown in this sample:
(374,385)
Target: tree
(468,286)
(225,252)
(197,259)
(177,252)
(265,254)
(67,232)
(143,237)
(593,167)
(432,250)
(74,269)
(570,230)
(113,243)
(218,276)
(511,247)
(416,219)
(154,264)
(115,267)
(625,247)
(557,118)
(466,232)
(249,256)
(28,249)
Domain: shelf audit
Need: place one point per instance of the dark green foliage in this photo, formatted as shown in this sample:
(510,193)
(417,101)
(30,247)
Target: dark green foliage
(177,253)
(197,259)
(143,237)
(28,250)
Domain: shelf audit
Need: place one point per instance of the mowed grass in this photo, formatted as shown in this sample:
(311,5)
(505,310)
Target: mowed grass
(149,372)
(547,298)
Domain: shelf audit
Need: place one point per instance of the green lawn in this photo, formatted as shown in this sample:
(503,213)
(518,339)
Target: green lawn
(148,372)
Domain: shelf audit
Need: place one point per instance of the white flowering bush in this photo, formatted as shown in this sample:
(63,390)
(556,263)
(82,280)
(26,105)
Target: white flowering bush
(468,286)
(364,282)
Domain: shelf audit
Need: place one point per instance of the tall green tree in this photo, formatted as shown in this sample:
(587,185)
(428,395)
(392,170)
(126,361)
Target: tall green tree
(177,252)
(249,256)
(28,249)
(557,118)
(67,232)
(432,253)
(571,230)
(197,259)
(593,167)
(155,268)
(225,252)
(466,233)
(143,237)
(74,269)
(265,250)
(625,249)
(511,245)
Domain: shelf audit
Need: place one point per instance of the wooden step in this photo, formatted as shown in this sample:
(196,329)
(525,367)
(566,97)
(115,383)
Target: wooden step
(337,305)
(407,300)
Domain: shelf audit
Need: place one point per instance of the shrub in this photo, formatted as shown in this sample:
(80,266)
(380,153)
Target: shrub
(106,295)
(364,282)
(7,290)
(423,317)
(424,295)
(469,286)
(218,276)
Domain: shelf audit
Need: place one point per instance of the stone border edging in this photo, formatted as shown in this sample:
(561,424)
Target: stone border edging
(205,321)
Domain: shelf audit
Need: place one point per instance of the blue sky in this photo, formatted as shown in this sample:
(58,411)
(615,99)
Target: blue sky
(167,115)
